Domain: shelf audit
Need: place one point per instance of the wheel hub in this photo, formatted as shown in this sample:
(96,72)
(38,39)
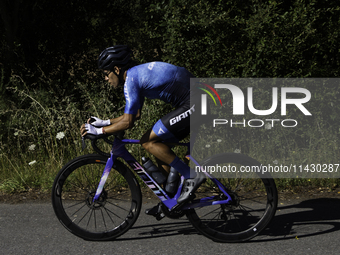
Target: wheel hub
(235,200)
(100,202)
(227,208)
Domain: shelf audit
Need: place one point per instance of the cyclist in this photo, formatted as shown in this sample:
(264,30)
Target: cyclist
(155,80)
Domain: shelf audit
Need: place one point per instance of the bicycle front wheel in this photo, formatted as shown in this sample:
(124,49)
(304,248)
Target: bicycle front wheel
(253,205)
(115,211)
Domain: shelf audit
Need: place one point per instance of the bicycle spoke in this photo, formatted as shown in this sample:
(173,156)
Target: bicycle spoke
(238,222)
(113,213)
(78,210)
(79,187)
(84,215)
(202,216)
(118,199)
(88,222)
(109,216)
(89,182)
(80,202)
(101,211)
(95,219)
(118,206)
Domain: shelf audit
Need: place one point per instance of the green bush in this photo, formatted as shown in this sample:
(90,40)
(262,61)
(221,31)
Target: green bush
(49,82)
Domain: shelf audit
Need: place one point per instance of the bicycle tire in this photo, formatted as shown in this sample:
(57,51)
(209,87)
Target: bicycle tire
(253,206)
(116,210)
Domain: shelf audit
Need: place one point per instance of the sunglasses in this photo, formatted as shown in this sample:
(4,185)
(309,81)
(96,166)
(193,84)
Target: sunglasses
(106,74)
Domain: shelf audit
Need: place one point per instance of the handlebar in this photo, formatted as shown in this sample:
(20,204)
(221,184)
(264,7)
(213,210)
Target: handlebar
(94,139)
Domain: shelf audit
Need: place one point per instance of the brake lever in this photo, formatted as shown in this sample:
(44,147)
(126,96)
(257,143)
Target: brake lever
(83,144)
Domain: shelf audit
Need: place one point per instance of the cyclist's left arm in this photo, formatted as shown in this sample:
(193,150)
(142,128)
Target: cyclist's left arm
(120,118)
(123,122)
(126,121)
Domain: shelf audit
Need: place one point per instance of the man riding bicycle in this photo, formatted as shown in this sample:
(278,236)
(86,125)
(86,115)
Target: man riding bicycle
(155,80)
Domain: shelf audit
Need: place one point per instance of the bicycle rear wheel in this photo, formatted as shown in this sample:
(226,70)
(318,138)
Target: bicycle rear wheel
(115,211)
(253,205)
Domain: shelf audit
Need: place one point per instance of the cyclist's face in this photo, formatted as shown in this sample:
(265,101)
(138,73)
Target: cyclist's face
(111,77)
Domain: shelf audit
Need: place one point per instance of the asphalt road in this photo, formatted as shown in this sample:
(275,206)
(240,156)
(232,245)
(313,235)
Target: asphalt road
(300,227)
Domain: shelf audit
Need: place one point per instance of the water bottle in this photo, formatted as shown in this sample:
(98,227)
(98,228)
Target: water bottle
(153,170)
(172,182)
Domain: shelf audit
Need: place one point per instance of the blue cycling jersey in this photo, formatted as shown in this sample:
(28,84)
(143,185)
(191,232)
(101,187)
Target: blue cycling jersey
(156,80)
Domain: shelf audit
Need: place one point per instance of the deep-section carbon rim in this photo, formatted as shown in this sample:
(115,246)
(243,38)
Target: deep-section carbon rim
(254,202)
(112,214)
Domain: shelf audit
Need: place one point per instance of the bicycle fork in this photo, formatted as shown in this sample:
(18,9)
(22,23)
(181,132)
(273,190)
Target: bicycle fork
(105,174)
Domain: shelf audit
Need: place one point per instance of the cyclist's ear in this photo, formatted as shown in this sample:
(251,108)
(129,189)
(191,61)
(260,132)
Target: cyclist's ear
(117,70)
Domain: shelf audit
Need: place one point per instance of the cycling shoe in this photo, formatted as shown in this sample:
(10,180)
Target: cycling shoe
(189,188)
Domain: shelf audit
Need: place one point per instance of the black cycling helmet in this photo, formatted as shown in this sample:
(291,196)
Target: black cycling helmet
(119,55)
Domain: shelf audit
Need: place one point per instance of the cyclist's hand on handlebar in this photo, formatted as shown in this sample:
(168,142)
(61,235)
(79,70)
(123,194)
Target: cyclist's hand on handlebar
(89,129)
(94,121)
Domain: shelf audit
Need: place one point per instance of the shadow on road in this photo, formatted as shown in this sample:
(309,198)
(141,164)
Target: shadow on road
(305,219)
(161,230)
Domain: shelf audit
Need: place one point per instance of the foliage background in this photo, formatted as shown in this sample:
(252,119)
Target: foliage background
(49,82)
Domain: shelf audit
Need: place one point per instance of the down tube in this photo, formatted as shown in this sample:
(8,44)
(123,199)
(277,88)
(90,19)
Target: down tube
(147,179)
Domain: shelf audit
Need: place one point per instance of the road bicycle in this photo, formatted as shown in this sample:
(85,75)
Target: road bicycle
(99,205)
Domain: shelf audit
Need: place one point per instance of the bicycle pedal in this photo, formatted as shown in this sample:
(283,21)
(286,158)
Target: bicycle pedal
(156,211)
(160,216)
(152,211)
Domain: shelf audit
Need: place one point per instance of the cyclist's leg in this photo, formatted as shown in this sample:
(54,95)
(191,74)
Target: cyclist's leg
(163,166)
(174,125)
(164,156)
(161,151)
(154,144)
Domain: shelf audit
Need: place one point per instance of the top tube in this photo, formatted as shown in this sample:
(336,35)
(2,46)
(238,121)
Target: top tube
(130,141)
(94,140)
(133,141)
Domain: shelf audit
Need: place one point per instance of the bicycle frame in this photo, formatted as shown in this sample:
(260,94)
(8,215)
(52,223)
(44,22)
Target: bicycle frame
(119,150)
